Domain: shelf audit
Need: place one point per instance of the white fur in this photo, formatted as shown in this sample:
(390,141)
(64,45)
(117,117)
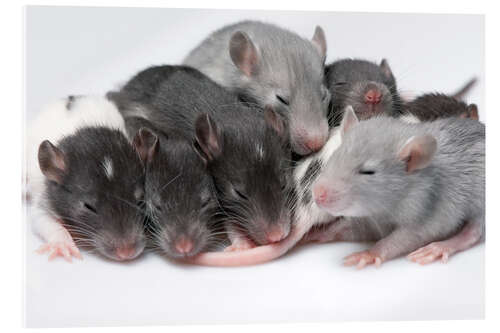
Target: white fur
(311,214)
(107,165)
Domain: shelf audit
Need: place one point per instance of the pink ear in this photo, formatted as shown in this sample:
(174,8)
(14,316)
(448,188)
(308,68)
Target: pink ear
(349,119)
(418,151)
(319,42)
(244,53)
(51,161)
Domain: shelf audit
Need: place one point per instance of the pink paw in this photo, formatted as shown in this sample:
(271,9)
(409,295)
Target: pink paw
(240,245)
(430,253)
(361,259)
(63,249)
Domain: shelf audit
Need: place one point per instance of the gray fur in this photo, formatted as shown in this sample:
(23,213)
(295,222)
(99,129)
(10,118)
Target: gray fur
(289,66)
(409,210)
(349,79)
(104,212)
(246,156)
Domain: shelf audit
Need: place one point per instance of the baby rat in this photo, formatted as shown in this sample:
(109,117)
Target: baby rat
(244,148)
(271,66)
(420,185)
(369,88)
(87,182)
(432,106)
(179,195)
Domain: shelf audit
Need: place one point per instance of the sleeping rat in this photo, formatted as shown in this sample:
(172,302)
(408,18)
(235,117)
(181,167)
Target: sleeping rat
(421,186)
(244,147)
(87,182)
(271,66)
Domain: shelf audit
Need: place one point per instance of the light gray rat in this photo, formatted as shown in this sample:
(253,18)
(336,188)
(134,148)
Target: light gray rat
(420,187)
(274,67)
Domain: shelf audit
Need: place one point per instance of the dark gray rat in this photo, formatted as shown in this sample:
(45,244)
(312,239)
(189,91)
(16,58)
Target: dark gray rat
(94,185)
(179,196)
(86,180)
(432,106)
(244,147)
(272,66)
(419,187)
(369,88)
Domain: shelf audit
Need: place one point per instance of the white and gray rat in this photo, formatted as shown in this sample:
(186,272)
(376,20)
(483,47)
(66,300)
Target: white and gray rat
(272,66)
(244,147)
(86,180)
(420,186)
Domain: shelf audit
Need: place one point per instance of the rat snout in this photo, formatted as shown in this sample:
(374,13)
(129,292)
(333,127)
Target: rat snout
(125,253)
(373,95)
(305,142)
(277,233)
(184,245)
(315,143)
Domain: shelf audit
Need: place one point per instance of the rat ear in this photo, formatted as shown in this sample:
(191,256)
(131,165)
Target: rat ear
(472,112)
(51,161)
(349,119)
(319,42)
(384,65)
(418,151)
(244,53)
(275,121)
(208,140)
(146,144)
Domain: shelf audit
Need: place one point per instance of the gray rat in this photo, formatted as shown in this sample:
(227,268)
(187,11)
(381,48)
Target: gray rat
(420,186)
(87,180)
(369,88)
(244,147)
(271,66)
(179,195)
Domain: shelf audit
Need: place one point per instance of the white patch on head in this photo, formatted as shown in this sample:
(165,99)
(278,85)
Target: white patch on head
(107,165)
(409,119)
(260,151)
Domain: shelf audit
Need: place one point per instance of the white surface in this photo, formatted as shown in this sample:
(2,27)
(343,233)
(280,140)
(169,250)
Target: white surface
(90,50)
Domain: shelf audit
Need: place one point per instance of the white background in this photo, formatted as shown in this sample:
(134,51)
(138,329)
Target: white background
(90,50)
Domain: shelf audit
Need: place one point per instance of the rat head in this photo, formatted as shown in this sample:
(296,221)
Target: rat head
(249,162)
(95,184)
(289,77)
(374,167)
(369,88)
(180,198)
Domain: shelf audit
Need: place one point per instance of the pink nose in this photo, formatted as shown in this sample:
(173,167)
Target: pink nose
(373,96)
(184,245)
(126,252)
(275,235)
(315,143)
(320,195)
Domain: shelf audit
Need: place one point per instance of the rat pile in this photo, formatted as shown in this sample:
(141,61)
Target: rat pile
(252,146)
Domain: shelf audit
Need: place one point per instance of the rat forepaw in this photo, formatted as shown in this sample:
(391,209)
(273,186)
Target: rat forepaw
(430,253)
(361,259)
(65,249)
